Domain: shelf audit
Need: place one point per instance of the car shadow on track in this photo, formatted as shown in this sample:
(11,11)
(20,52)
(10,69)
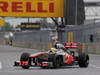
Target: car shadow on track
(38,68)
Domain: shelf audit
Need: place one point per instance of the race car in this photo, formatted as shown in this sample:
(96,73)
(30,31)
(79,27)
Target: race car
(55,57)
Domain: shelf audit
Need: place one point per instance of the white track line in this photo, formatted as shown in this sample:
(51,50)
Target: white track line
(0,65)
(95,66)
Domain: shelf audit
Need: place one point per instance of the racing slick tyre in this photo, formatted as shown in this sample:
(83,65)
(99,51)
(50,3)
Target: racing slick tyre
(25,58)
(56,61)
(83,60)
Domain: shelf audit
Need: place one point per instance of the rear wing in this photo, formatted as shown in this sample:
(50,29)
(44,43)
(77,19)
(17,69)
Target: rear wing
(72,45)
(80,46)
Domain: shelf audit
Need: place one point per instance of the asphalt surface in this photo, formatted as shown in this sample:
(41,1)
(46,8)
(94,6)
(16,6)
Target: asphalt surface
(9,54)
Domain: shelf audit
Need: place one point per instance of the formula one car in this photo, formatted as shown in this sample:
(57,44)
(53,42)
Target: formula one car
(55,58)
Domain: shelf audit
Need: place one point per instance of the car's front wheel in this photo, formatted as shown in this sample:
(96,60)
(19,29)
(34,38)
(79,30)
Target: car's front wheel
(25,58)
(56,60)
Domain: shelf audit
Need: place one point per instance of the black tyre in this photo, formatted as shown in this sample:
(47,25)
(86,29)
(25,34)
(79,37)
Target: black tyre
(83,60)
(56,61)
(25,57)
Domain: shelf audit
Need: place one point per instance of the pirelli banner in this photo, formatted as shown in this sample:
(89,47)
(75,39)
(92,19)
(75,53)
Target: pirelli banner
(32,8)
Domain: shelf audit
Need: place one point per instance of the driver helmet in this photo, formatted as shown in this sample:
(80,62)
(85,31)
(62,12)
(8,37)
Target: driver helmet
(53,50)
(59,46)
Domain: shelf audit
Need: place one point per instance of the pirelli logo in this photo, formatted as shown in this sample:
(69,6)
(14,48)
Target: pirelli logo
(32,8)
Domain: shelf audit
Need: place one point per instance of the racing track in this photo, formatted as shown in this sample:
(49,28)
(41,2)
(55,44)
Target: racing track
(9,54)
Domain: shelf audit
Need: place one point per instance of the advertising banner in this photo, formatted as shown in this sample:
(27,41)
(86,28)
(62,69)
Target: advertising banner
(32,8)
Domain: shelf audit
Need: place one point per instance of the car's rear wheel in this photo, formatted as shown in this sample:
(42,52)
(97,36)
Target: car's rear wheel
(25,58)
(83,60)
